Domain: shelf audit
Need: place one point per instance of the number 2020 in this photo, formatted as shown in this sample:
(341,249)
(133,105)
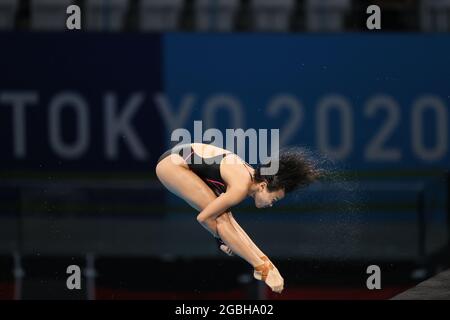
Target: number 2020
(376,148)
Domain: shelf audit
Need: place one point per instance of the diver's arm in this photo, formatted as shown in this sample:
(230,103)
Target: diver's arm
(221,204)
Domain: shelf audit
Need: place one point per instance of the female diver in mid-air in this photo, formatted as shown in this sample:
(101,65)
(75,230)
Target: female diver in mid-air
(212,180)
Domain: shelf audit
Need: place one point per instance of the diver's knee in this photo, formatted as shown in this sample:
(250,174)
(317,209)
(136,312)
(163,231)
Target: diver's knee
(159,170)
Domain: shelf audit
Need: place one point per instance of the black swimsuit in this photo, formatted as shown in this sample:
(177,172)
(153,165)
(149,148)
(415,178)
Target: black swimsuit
(208,169)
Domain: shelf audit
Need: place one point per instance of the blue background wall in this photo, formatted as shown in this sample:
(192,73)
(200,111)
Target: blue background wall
(255,69)
(251,71)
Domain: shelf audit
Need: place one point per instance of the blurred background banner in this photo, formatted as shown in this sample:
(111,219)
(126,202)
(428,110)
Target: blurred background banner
(373,101)
(70,103)
(85,114)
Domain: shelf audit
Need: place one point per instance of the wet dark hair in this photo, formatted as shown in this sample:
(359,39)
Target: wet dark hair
(296,169)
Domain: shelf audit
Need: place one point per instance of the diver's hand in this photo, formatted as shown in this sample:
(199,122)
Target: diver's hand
(226,249)
(223,246)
